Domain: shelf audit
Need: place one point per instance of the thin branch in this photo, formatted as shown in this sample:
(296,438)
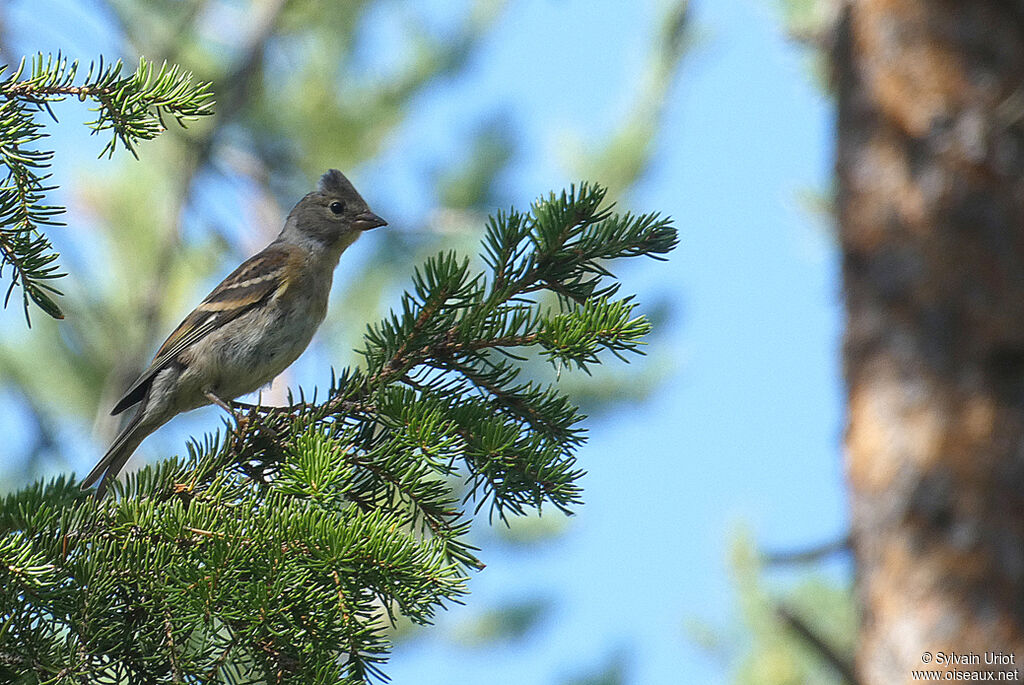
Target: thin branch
(833,657)
(809,555)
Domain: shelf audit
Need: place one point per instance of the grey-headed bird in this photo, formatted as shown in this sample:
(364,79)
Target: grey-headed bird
(251,327)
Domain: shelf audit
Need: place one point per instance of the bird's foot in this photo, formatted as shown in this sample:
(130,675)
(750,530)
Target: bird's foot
(241,420)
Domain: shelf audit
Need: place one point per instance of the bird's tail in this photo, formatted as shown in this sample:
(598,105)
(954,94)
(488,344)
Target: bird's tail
(121,449)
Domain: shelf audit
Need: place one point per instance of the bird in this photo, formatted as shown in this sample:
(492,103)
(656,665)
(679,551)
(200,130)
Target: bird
(251,327)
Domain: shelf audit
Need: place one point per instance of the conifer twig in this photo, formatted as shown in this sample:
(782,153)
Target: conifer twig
(132,108)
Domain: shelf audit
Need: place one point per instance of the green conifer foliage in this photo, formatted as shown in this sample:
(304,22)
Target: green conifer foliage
(131,108)
(278,551)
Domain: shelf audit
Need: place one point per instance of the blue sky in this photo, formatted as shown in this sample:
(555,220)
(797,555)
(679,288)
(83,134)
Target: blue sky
(746,428)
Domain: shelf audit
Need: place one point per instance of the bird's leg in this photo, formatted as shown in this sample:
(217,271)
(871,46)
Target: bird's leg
(240,420)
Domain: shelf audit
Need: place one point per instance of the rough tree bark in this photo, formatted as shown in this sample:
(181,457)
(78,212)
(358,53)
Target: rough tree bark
(930,165)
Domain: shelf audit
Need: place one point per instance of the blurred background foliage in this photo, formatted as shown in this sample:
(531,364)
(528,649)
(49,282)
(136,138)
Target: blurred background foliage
(295,95)
(300,87)
(797,624)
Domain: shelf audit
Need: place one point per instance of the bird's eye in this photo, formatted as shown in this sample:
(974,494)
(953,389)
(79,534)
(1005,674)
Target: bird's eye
(337,207)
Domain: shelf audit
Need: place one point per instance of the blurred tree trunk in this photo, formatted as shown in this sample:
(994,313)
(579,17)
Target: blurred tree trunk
(930,165)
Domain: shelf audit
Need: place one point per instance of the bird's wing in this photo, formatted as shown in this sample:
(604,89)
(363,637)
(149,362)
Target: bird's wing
(254,281)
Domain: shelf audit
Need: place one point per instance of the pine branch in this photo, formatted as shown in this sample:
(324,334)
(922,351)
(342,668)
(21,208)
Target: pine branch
(281,550)
(132,108)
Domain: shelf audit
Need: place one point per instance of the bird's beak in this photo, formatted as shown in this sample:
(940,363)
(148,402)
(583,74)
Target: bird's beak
(367,220)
